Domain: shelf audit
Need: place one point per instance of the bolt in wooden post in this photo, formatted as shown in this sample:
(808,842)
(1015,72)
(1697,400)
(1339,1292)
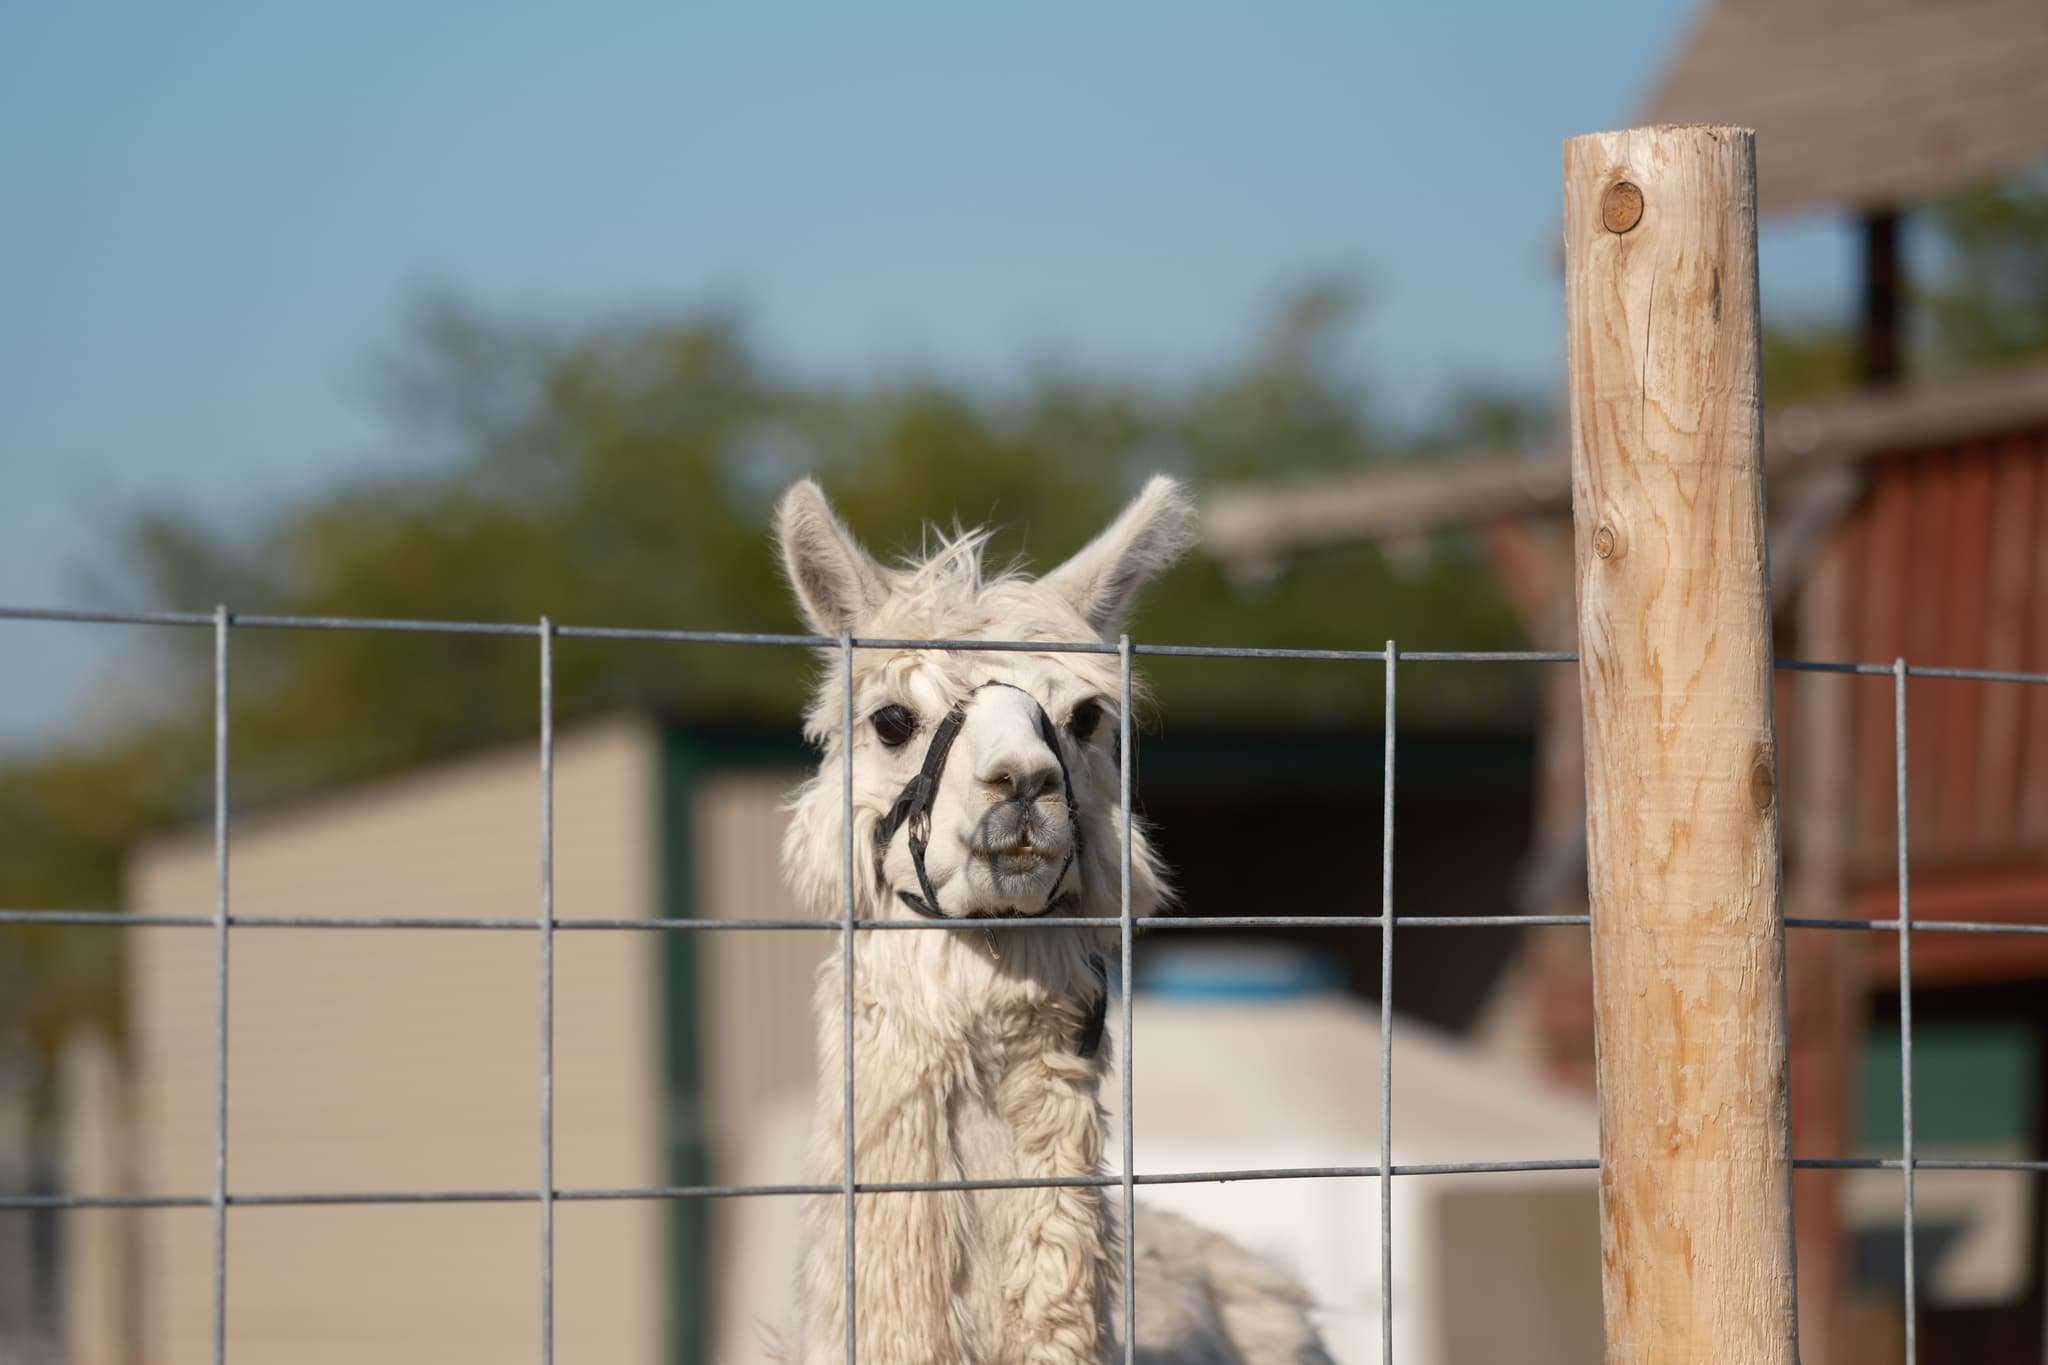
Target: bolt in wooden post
(1681,764)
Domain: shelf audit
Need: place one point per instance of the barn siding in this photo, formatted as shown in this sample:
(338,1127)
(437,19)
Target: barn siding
(1950,553)
(408,1060)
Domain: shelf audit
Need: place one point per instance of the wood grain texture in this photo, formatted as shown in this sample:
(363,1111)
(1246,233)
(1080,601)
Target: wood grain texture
(1681,766)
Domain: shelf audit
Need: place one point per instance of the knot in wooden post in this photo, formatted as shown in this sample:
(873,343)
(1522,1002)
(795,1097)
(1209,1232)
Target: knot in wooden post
(1621,208)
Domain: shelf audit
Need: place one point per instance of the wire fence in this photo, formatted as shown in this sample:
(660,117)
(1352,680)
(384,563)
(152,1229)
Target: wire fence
(546,926)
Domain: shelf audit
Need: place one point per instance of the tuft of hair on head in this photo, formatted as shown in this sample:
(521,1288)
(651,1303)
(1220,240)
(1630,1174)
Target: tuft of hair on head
(953,565)
(1103,577)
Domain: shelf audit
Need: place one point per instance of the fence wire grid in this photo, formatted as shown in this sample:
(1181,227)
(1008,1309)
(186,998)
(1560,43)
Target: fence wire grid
(546,1194)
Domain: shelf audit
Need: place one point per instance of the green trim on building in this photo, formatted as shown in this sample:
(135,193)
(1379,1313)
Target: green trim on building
(1973,1087)
(688,754)
(689,1219)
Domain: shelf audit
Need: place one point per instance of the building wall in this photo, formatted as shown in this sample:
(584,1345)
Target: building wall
(22,1337)
(97,1246)
(759,1059)
(1949,557)
(409,1060)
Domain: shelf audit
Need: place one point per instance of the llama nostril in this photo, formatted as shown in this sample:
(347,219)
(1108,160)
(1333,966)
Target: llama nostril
(1020,783)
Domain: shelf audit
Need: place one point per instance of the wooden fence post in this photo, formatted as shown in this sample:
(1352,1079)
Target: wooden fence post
(1681,762)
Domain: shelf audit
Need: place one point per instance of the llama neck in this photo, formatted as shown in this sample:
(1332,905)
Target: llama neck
(967,1068)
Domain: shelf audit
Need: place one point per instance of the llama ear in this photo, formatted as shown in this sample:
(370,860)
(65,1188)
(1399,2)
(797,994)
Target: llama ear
(836,582)
(1146,537)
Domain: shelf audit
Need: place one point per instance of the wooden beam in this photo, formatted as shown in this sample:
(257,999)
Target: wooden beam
(1258,522)
(1681,763)
(1415,496)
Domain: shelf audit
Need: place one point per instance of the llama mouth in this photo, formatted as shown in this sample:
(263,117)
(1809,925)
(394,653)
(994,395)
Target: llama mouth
(1021,869)
(1021,830)
(1063,904)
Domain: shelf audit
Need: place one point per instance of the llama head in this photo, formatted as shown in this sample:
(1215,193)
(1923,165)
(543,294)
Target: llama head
(1020,815)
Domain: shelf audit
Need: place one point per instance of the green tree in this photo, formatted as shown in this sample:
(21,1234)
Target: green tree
(1809,358)
(622,474)
(1988,305)
(1483,415)
(1984,303)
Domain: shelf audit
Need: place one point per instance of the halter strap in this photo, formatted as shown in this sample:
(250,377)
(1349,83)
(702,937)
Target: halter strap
(916,797)
(913,807)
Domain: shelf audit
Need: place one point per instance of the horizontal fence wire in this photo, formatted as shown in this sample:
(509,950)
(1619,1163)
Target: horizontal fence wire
(259,621)
(657,1193)
(221,1199)
(116,919)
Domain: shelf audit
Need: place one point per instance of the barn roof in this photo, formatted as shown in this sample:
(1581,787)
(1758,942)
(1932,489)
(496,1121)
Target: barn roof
(1867,103)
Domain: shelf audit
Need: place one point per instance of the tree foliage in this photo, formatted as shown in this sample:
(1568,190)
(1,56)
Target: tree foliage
(622,474)
(1982,305)
(1988,306)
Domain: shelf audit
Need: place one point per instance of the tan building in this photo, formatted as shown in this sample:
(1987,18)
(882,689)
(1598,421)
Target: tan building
(409,1060)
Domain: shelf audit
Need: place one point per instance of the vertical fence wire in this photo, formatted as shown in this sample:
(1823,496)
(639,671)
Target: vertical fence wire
(220,985)
(547,991)
(846,963)
(1905,1001)
(1387,1022)
(1125,931)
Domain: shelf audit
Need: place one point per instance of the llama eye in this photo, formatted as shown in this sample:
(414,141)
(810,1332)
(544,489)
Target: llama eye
(1084,720)
(894,724)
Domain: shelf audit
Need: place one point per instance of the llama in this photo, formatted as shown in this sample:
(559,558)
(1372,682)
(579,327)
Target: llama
(986,785)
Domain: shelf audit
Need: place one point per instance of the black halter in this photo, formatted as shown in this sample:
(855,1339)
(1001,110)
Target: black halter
(913,806)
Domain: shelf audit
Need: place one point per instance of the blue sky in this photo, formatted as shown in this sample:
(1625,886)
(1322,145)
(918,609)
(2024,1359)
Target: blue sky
(218,213)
